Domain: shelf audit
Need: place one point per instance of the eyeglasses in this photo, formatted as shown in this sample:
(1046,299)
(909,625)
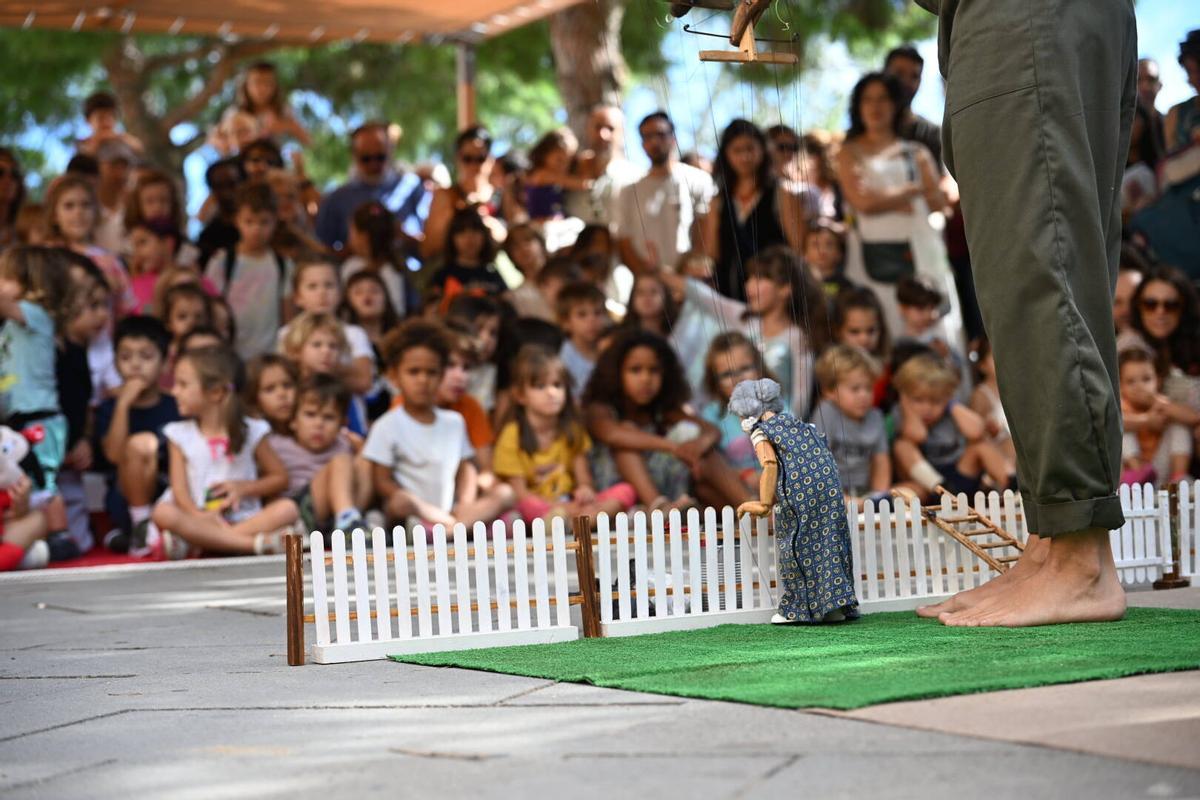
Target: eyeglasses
(1153,304)
(787,147)
(730,374)
(372,158)
(470,159)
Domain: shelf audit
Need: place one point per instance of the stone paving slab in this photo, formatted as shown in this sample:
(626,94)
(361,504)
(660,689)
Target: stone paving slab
(172,683)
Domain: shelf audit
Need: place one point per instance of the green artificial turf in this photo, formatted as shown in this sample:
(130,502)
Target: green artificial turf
(878,659)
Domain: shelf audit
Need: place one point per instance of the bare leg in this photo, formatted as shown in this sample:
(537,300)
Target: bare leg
(364,488)
(137,474)
(333,487)
(631,465)
(55,512)
(402,504)
(25,530)
(717,475)
(1077,583)
(208,530)
(487,505)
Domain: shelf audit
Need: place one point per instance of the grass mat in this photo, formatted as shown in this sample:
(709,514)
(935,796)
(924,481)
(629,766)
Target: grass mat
(880,658)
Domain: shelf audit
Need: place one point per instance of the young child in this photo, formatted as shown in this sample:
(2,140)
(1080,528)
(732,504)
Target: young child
(72,214)
(221,466)
(858,320)
(485,317)
(129,435)
(371,243)
(825,256)
(636,410)
(36,292)
(526,249)
(542,450)
(251,276)
(366,304)
(582,317)
(732,358)
(467,263)
(550,177)
(939,440)
(184,308)
(153,242)
(453,394)
(420,453)
(985,401)
(652,307)
(537,297)
(1157,454)
(270,395)
(102,114)
(316,291)
(156,197)
(325,479)
(261,96)
(784,311)
(852,425)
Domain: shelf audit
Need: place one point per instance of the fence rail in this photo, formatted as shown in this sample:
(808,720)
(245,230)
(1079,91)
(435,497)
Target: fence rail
(421,591)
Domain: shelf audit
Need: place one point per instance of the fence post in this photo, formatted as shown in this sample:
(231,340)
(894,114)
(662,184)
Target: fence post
(293,545)
(586,570)
(1173,579)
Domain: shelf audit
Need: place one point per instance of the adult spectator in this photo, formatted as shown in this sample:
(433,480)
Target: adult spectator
(1139,184)
(12,195)
(374,176)
(1148,86)
(1182,125)
(471,188)
(116,160)
(752,210)
(892,184)
(603,162)
(659,216)
(223,178)
(817,172)
(906,65)
(785,146)
(1166,320)
(259,158)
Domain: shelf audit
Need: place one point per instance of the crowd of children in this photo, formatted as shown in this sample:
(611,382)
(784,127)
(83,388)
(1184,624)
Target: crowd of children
(229,392)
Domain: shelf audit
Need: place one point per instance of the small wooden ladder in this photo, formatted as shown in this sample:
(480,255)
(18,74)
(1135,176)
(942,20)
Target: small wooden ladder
(964,527)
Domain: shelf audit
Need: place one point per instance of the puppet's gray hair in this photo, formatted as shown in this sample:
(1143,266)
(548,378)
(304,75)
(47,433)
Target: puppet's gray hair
(754,398)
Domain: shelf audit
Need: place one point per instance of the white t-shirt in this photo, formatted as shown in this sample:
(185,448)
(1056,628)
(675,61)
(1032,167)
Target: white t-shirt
(393,279)
(110,231)
(424,459)
(254,298)
(356,338)
(209,462)
(661,209)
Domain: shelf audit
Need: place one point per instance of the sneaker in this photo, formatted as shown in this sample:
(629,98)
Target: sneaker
(139,537)
(116,541)
(375,519)
(170,547)
(37,556)
(270,542)
(62,546)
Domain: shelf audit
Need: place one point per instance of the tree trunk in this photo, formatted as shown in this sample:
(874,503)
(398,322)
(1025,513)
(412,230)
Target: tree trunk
(586,42)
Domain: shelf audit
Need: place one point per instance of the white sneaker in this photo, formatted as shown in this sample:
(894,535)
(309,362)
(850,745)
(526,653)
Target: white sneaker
(37,556)
(780,619)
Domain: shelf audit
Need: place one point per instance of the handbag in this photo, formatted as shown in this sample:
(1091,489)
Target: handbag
(888,262)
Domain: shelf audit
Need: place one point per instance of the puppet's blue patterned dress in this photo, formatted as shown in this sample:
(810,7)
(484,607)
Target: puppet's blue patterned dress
(811,528)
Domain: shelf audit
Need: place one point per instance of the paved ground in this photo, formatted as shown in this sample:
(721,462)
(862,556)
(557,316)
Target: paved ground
(173,683)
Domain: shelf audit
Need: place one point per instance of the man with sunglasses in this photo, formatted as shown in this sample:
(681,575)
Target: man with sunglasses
(374,176)
(1039,106)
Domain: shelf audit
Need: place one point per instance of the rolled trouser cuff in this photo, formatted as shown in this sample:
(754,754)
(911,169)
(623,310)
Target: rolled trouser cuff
(1073,516)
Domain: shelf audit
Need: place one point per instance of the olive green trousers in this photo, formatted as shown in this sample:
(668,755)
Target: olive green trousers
(1039,104)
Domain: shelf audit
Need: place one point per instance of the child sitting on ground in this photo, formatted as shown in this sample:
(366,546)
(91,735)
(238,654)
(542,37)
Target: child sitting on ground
(326,480)
(372,240)
(421,454)
(636,410)
(185,308)
(852,425)
(316,291)
(939,440)
(270,395)
(221,467)
(129,434)
(920,306)
(825,255)
(985,400)
(366,305)
(582,317)
(1157,454)
(858,320)
(485,316)
(732,358)
(153,242)
(542,450)
(537,297)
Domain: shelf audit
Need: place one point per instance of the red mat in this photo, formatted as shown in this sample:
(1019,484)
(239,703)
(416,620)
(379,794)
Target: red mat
(98,557)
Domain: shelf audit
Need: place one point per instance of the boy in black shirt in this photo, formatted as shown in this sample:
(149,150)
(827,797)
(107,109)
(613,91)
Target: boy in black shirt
(129,436)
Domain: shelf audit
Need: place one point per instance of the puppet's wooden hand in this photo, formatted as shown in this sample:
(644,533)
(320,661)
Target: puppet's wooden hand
(755,508)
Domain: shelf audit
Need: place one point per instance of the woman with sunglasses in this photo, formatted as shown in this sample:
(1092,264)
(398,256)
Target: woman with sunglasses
(1166,321)
(472,187)
(12,194)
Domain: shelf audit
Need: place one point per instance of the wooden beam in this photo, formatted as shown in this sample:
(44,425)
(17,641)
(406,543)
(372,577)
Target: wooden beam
(293,546)
(466,85)
(587,577)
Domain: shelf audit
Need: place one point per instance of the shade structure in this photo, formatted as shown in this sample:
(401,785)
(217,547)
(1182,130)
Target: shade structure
(292,21)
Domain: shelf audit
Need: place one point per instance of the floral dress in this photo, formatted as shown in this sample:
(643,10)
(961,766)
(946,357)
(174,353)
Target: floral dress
(811,529)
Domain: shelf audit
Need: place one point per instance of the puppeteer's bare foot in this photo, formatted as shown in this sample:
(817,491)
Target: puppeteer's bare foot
(1077,583)
(1036,549)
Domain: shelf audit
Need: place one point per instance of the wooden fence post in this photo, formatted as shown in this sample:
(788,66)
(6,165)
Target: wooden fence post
(1173,579)
(586,570)
(294,550)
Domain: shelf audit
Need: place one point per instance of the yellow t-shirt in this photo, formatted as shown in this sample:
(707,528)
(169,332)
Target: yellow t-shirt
(547,472)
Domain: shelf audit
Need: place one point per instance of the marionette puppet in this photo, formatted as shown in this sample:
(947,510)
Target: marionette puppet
(800,483)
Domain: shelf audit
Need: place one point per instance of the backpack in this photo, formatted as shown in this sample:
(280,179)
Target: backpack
(231,265)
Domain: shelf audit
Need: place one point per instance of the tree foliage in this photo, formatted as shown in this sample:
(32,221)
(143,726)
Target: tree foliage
(188,80)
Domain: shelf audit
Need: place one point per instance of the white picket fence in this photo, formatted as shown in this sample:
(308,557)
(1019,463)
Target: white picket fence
(1189,529)
(425,584)
(658,573)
